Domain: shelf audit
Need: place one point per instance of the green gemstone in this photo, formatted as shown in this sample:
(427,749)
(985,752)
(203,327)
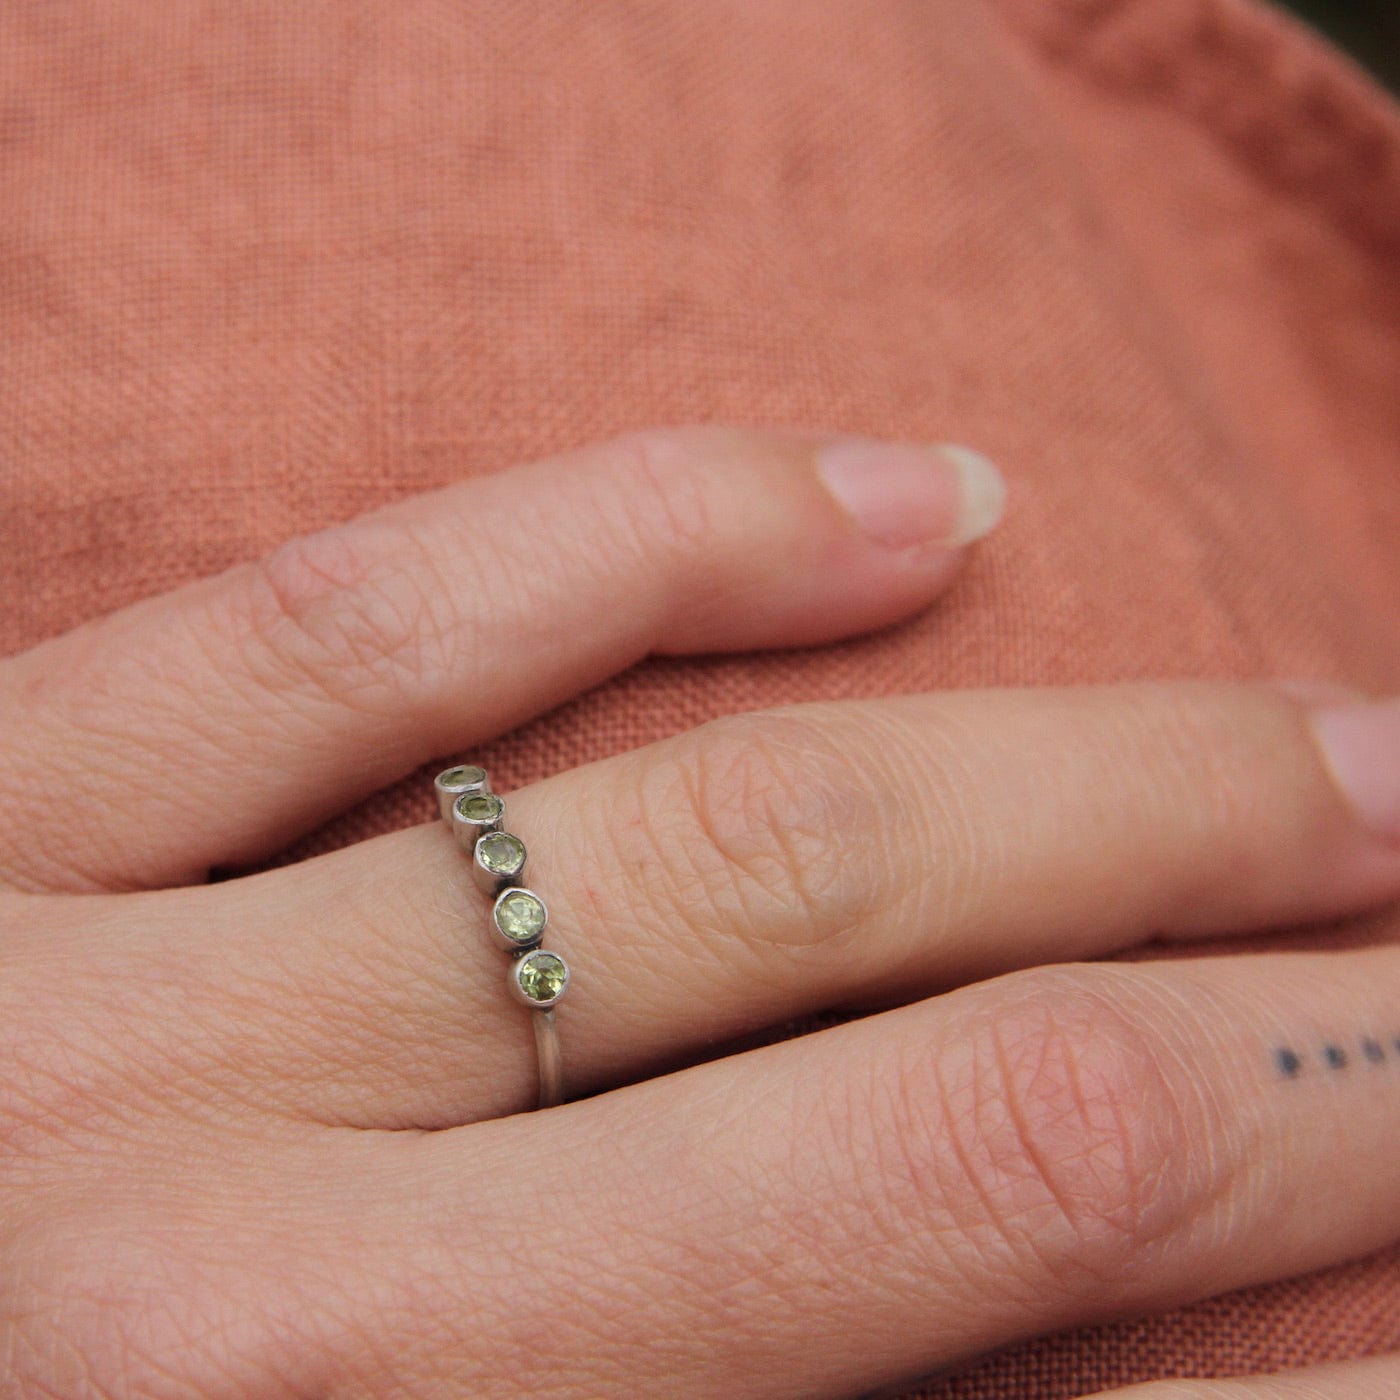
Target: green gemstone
(520,916)
(542,976)
(501,853)
(480,806)
(464,775)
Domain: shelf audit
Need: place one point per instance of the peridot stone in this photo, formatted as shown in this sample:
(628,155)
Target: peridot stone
(480,806)
(464,775)
(542,976)
(520,916)
(501,853)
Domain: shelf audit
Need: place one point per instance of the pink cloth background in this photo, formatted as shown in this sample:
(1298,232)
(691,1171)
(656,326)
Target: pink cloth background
(265,265)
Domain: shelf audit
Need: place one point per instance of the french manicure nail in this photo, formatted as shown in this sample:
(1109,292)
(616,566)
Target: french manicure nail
(901,494)
(1361,745)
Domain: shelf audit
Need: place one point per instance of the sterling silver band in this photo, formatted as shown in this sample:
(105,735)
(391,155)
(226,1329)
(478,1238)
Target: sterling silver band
(536,978)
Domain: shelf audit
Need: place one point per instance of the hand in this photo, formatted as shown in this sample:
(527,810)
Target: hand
(263,1138)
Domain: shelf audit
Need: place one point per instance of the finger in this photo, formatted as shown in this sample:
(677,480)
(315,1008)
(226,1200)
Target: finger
(849,854)
(816,1218)
(297,683)
(869,1203)
(759,868)
(1374,1379)
(852,854)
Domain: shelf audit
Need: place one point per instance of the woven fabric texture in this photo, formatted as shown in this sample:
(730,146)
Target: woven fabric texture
(266,265)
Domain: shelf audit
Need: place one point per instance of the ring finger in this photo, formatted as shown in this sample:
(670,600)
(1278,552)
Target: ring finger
(761,867)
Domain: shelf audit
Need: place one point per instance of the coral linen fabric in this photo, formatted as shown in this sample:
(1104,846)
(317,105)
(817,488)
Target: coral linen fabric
(266,265)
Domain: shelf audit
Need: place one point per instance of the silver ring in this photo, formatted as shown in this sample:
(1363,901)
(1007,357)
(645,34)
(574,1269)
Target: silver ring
(537,979)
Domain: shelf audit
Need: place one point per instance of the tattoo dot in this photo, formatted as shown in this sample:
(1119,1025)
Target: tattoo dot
(1372,1050)
(1289,1065)
(1335,1056)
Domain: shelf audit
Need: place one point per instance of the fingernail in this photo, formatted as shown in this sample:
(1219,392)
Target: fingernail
(901,494)
(1361,745)
(1316,693)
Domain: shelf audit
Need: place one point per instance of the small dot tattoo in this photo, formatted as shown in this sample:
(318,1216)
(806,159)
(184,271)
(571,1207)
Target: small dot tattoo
(1336,1055)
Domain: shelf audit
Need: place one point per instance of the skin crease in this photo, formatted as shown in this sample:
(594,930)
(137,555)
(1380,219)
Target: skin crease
(268,1137)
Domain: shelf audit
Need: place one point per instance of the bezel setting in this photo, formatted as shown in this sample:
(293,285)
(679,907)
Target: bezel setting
(521,969)
(453,782)
(493,880)
(474,814)
(513,894)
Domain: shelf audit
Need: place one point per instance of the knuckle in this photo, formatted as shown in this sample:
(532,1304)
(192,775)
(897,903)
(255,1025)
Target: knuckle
(666,506)
(1187,739)
(358,612)
(1215,766)
(1045,1132)
(758,825)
